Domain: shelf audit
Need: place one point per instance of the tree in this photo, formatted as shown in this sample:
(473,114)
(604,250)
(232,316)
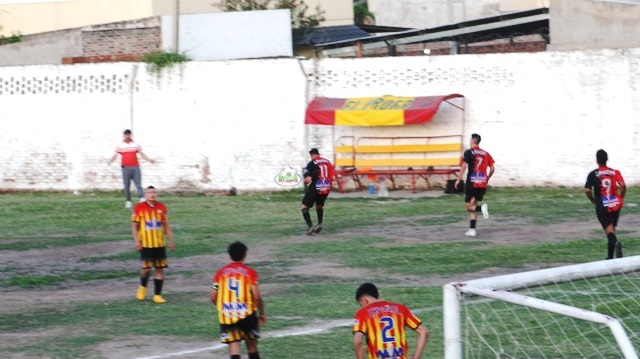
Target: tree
(361,14)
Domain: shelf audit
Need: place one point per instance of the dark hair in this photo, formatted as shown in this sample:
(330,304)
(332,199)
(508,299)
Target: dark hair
(314,151)
(126,132)
(602,157)
(476,137)
(151,187)
(237,250)
(369,289)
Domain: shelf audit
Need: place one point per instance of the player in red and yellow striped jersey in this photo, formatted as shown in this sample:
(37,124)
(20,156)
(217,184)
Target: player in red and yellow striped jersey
(383,323)
(149,225)
(236,295)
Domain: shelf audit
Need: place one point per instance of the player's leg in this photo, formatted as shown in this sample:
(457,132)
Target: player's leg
(234,350)
(137,181)
(126,180)
(321,198)
(470,205)
(307,202)
(251,332)
(611,229)
(144,278)
(479,195)
(606,221)
(231,335)
(160,262)
(252,348)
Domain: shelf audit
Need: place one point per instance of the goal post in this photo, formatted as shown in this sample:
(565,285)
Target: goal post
(501,288)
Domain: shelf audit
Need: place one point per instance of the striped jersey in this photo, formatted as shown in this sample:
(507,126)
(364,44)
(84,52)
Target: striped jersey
(129,152)
(235,300)
(384,323)
(150,220)
(604,183)
(478,161)
(321,172)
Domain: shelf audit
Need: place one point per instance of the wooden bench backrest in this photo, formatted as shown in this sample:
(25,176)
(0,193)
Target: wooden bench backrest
(397,152)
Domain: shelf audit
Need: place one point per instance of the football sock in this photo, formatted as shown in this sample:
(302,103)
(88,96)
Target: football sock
(158,286)
(255,355)
(307,217)
(612,239)
(472,223)
(235,357)
(320,213)
(144,281)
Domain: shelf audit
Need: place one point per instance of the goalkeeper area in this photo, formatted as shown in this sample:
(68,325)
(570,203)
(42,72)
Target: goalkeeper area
(69,274)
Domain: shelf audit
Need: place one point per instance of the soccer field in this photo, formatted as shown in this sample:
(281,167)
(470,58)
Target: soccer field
(69,269)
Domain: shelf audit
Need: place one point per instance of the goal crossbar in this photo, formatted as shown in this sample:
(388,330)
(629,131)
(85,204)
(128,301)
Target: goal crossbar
(495,287)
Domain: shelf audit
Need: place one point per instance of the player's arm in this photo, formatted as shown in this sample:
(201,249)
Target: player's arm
(169,233)
(145,157)
(589,193)
(358,344)
(257,297)
(421,344)
(463,170)
(214,295)
(136,237)
(112,158)
(492,169)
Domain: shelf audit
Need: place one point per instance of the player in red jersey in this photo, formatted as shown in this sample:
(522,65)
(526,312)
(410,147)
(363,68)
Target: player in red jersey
(129,151)
(606,189)
(149,225)
(317,179)
(477,161)
(236,295)
(383,323)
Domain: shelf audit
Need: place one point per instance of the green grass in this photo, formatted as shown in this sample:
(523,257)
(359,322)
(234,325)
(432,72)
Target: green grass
(205,225)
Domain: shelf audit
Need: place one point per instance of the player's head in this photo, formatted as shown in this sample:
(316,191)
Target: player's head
(237,251)
(368,289)
(127,134)
(150,193)
(602,157)
(314,152)
(475,138)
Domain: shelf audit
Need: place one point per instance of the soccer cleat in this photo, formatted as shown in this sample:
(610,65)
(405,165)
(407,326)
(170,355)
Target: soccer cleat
(311,231)
(485,210)
(318,228)
(158,299)
(142,293)
(127,204)
(618,249)
(470,233)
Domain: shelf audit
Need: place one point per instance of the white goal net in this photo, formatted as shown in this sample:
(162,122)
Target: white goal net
(589,310)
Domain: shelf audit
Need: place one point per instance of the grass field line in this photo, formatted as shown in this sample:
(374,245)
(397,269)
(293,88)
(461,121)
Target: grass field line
(308,330)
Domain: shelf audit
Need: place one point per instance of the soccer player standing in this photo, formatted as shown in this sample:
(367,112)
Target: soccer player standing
(605,188)
(476,161)
(383,324)
(149,225)
(236,295)
(317,177)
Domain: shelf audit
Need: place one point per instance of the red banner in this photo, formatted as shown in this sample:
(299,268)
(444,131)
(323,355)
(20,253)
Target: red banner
(373,111)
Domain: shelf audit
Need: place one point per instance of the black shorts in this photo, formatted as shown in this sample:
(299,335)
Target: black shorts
(154,257)
(247,328)
(312,197)
(472,192)
(608,218)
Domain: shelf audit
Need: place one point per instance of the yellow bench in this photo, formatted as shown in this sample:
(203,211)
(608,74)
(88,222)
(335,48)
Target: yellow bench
(418,157)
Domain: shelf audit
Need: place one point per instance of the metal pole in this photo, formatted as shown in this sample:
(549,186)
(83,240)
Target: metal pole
(176,26)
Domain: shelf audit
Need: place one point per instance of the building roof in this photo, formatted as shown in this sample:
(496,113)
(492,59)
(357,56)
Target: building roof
(329,34)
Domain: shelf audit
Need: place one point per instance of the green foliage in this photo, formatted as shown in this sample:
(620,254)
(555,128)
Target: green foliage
(160,60)
(300,18)
(14,38)
(361,14)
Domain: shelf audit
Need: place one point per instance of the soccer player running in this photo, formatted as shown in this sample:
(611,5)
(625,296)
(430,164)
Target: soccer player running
(150,224)
(383,324)
(237,298)
(606,189)
(317,178)
(476,161)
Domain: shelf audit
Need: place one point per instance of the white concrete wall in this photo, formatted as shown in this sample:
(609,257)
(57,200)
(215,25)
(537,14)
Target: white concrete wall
(216,125)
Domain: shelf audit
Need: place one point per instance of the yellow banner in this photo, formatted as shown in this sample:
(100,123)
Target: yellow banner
(369,118)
